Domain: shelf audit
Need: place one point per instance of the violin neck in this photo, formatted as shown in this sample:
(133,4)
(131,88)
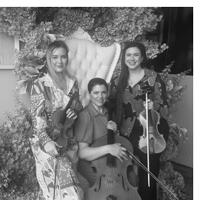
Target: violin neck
(63,117)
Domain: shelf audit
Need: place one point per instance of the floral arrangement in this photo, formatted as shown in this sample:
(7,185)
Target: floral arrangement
(172,179)
(105,26)
(17,177)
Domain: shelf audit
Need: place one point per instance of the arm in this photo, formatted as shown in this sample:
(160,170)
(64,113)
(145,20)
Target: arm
(39,118)
(91,153)
(84,132)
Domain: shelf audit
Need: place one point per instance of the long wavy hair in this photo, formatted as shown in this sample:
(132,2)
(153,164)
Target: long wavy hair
(123,78)
(55,45)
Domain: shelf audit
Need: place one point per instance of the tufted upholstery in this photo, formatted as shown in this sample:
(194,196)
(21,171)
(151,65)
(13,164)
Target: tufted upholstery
(88,60)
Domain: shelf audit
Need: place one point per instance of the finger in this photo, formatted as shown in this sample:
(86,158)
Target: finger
(75,117)
(124,156)
(58,145)
(119,157)
(68,111)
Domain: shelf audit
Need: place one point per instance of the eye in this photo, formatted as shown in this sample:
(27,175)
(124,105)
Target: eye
(64,56)
(54,57)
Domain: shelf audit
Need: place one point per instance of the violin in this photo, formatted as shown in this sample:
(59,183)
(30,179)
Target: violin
(150,119)
(112,182)
(62,125)
(151,141)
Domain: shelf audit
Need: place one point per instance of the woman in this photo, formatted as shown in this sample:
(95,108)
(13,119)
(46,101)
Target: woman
(92,123)
(51,93)
(129,91)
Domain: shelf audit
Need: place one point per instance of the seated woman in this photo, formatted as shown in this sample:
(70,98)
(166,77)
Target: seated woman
(91,124)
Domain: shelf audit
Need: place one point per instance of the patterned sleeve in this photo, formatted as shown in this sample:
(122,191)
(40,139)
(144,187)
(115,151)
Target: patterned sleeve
(83,128)
(38,113)
(160,98)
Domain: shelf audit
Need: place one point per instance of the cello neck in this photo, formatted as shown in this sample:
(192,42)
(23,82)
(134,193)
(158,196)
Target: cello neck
(110,137)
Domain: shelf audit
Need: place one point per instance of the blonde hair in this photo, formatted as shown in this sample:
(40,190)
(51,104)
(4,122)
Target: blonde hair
(55,45)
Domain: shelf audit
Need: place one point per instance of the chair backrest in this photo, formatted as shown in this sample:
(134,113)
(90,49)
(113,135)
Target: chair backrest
(88,60)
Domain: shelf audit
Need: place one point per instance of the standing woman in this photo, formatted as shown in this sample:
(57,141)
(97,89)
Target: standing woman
(129,91)
(49,94)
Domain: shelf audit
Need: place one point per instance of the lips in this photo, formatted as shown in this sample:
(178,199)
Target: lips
(132,63)
(59,66)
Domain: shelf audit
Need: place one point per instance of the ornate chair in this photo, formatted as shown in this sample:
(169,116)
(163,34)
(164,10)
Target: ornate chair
(88,60)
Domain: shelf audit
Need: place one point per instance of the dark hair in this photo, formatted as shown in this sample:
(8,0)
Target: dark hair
(96,81)
(124,76)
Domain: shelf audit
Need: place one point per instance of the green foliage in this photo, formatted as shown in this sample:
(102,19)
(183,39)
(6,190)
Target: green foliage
(105,25)
(16,21)
(17,164)
(108,25)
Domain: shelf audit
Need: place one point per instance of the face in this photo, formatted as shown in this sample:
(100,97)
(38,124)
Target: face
(59,59)
(98,95)
(133,58)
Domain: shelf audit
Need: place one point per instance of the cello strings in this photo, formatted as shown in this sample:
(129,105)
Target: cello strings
(135,158)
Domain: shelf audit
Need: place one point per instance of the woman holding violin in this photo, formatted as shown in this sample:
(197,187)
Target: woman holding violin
(92,126)
(135,90)
(52,142)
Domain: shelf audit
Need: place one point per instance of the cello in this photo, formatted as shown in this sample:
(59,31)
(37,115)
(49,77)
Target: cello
(112,182)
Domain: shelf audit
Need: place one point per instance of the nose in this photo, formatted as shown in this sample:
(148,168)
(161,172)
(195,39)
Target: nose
(100,95)
(59,60)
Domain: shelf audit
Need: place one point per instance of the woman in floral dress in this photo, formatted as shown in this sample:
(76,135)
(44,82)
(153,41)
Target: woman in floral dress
(50,93)
(129,92)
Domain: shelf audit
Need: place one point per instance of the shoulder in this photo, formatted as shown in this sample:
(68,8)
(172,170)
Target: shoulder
(84,119)
(150,72)
(85,112)
(151,75)
(40,83)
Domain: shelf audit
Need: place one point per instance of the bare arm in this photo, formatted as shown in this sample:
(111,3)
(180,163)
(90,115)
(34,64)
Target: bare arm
(91,153)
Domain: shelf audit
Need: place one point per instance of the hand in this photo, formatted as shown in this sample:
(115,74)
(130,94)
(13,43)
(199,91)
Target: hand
(71,114)
(118,151)
(150,104)
(112,126)
(50,148)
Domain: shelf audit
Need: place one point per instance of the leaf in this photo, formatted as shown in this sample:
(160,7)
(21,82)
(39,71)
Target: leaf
(22,86)
(31,71)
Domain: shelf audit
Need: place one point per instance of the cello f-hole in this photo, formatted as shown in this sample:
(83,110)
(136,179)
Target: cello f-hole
(123,184)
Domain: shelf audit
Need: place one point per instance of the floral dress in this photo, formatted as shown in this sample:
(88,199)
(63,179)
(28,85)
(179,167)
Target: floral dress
(45,100)
(131,128)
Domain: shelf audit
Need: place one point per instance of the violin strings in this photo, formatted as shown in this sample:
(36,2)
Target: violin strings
(135,158)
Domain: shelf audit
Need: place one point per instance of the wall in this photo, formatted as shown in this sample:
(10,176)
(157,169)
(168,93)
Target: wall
(184,118)
(8,83)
